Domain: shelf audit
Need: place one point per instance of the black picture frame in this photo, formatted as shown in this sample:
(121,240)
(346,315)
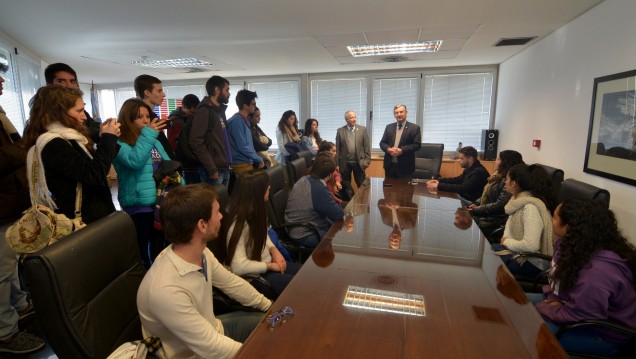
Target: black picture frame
(611,139)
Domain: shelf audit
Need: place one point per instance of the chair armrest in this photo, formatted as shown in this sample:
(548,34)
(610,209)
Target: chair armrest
(262,285)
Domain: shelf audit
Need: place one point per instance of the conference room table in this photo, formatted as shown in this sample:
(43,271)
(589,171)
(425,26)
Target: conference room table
(407,274)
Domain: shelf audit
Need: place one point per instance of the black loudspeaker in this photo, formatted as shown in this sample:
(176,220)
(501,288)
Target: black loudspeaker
(489,139)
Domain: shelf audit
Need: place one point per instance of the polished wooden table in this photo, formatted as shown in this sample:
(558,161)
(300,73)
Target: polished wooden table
(474,308)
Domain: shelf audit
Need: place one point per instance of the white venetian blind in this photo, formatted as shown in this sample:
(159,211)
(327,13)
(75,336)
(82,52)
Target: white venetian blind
(274,98)
(386,94)
(457,108)
(331,98)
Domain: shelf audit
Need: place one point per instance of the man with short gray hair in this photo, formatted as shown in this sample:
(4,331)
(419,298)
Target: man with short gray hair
(353,149)
(400,142)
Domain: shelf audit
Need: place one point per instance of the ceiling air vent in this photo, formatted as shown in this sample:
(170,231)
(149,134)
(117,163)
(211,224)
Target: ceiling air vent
(394,59)
(515,41)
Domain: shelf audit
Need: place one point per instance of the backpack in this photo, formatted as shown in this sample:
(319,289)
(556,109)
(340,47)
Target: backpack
(183,151)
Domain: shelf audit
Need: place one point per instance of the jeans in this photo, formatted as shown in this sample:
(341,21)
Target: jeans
(578,340)
(280,280)
(312,240)
(526,269)
(224,176)
(239,325)
(12,298)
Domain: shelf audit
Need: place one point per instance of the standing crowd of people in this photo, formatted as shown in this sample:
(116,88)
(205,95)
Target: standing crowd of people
(591,273)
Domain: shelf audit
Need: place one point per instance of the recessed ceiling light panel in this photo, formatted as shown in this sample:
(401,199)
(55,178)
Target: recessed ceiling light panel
(394,49)
(172,63)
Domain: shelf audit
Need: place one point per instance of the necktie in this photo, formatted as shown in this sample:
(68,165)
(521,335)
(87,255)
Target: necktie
(399,126)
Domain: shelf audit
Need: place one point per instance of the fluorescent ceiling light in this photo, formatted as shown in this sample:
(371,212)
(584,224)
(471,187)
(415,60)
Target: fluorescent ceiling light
(172,63)
(384,301)
(394,49)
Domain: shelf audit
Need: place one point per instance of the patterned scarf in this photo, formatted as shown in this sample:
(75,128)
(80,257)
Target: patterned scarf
(55,130)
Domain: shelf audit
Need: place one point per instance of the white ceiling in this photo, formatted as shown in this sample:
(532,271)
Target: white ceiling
(99,39)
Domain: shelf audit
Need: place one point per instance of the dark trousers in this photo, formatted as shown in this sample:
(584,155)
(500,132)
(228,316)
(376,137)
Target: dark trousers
(392,172)
(358,173)
(280,280)
(150,240)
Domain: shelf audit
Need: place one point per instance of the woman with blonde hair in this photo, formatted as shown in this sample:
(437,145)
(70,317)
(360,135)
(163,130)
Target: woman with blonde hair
(58,140)
(139,157)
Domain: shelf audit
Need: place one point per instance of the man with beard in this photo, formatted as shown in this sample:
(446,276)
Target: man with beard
(470,184)
(208,139)
(175,297)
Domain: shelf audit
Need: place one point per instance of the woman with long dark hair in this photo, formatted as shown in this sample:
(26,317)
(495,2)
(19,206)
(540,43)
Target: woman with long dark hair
(249,248)
(139,157)
(489,212)
(592,277)
(66,155)
(311,137)
(529,224)
(287,131)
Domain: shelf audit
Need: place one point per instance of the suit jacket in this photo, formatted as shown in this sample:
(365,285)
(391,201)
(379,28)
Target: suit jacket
(363,147)
(410,142)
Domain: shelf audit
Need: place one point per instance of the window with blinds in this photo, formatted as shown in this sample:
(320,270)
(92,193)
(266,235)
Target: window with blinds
(456,108)
(331,98)
(387,93)
(30,81)
(274,98)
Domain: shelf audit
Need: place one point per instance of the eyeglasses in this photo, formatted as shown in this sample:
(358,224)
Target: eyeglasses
(275,320)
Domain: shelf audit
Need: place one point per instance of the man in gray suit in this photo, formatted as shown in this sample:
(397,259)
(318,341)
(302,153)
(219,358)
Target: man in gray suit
(353,149)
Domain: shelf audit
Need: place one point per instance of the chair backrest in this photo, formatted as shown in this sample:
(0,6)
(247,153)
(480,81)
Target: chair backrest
(84,288)
(555,174)
(571,188)
(428,160)
(307,156)
(296,169)
(277,196)
(218,247)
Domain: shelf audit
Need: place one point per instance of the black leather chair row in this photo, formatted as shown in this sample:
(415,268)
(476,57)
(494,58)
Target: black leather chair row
(84,288)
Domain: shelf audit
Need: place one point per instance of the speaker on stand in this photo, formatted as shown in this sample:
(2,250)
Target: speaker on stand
(489,139)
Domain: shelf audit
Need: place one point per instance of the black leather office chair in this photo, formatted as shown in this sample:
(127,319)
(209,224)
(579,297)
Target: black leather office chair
(296,169)
(84,288)
(555,174)
(302,154)
(571,188)
(276,206)
(428,160)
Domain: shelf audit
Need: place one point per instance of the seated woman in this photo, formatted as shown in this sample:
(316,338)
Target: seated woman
(311,137)
(529,225)
(335,183)
(249,248)
(592,277)
(489,212)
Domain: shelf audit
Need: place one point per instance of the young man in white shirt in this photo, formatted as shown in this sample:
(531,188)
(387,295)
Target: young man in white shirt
(175,296)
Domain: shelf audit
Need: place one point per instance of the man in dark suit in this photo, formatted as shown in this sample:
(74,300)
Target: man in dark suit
(400,142)
(353,149)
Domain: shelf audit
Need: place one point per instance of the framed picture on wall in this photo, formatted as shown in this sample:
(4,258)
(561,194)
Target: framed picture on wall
(611,139)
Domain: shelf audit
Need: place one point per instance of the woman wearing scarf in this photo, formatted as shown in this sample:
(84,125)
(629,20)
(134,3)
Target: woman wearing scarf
(66,155)
(286,132)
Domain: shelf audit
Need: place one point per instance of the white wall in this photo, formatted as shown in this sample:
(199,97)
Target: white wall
(545,92)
